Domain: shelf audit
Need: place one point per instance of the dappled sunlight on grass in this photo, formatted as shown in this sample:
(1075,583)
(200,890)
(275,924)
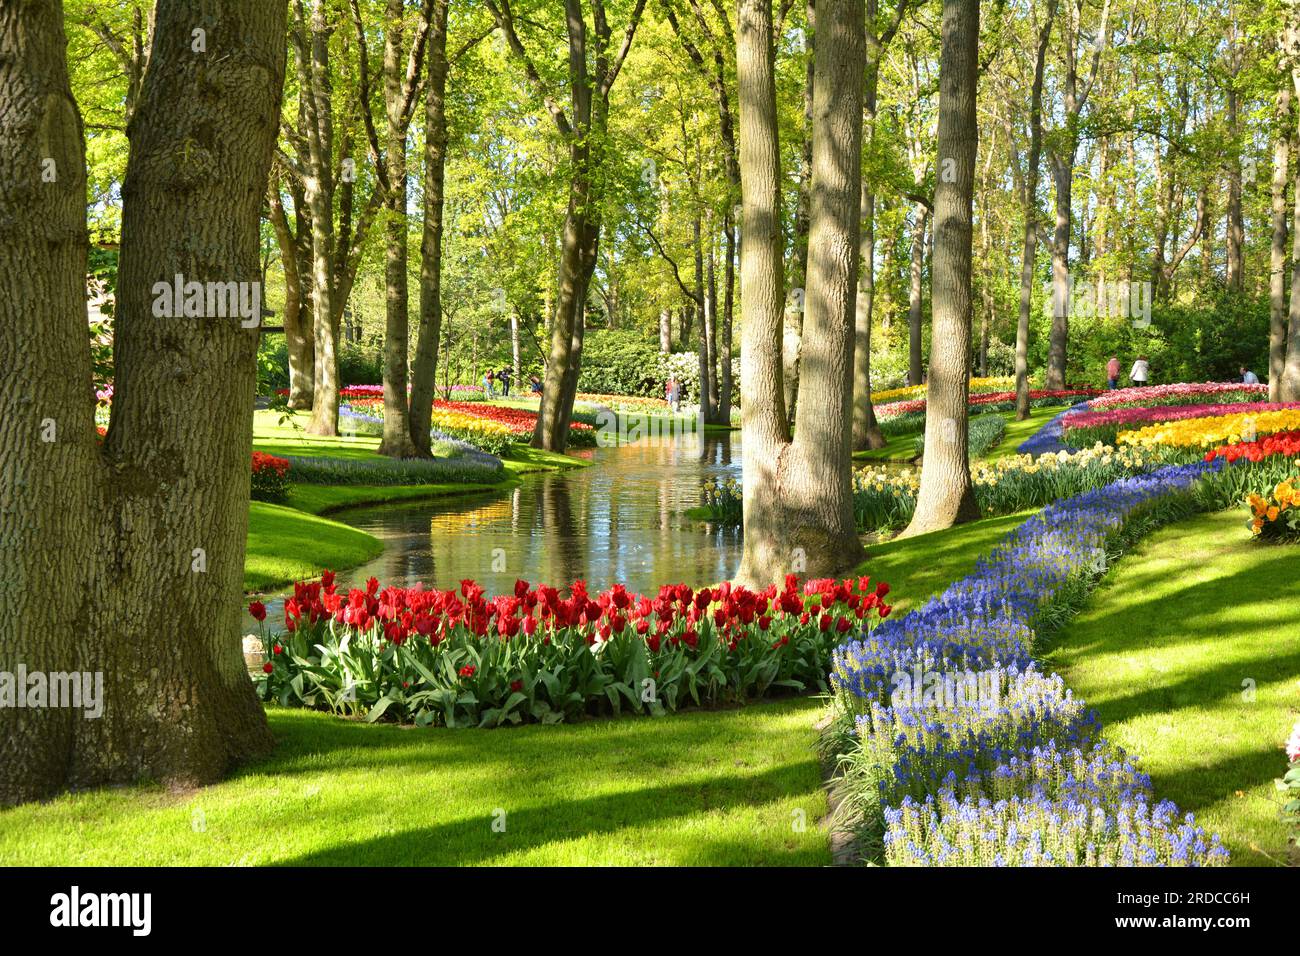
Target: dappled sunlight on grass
(734,787)
(1191,653)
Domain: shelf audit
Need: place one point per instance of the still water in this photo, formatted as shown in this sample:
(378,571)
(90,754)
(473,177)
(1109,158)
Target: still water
(619,520)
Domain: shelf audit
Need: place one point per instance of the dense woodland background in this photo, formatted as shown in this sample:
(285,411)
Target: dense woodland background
(1160,124)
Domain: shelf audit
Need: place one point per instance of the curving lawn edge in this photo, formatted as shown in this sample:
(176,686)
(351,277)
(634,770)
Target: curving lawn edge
(285,544)
(1167,648)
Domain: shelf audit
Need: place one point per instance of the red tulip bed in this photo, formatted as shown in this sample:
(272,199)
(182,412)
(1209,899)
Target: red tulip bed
(270,481)
(463,659)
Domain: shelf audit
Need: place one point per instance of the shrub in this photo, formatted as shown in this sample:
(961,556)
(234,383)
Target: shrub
(270,477)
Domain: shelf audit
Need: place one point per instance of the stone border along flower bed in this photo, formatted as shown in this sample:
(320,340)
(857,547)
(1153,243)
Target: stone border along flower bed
(462,659)
(953,748)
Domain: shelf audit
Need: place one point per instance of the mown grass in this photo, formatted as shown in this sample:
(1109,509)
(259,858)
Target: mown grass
(917,568)
(903,447)
(285,545)
(1167,650)
(728,788)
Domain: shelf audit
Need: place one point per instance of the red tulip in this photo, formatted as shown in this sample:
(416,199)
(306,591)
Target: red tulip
(258,610)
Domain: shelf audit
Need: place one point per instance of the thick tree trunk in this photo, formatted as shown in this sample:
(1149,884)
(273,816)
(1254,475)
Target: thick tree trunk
(792,338)
(765,427)
(163,510)
(396,441)
(946,496)
(798,511)
(914,297)
(424,369)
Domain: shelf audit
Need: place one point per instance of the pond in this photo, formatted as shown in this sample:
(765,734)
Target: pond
(620,520)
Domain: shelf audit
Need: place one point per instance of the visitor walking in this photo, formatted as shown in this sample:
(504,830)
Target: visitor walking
(535,384)
(673,393)
(1248,377)
(1140,372)
(488,379)
(1112,372)
(504,376)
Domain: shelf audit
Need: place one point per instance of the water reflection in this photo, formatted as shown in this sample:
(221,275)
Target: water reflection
(620,520)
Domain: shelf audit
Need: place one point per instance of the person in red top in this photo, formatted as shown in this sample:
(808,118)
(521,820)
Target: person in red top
(1112,371)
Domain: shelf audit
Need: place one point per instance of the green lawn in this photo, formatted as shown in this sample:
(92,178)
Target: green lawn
(919,567)
(730,788)
(903,447)
(286,545)
(1163,651)
(1018,432)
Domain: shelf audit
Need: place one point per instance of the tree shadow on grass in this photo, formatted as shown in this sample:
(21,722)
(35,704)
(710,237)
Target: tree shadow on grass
(473,841)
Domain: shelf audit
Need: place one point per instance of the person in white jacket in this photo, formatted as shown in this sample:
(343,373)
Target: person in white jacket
(1139,373)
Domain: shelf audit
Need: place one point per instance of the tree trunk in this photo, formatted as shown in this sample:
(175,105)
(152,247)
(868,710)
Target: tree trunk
(765,427)
(298,333)
(792,340)
(1291,367)
(424,370)
(1236,230)
(914,297)
(665,330)
(1063,179)
(1277,332)
(396,441)
(314,76)
(798,511)
(1030,203)
(728,317)
(946,496)
(866,430)
(163,508)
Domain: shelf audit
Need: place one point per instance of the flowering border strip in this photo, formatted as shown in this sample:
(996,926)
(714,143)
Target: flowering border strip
(1027,779)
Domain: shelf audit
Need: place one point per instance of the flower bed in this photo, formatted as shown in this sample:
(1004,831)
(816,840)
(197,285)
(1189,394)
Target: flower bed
(1087,427)
(1037,397)
(626,403)
(1275,515)
(270,480)
(1199,433)
(1019,775)
(1186,393)
(884,500)
(461,658)
(977,385)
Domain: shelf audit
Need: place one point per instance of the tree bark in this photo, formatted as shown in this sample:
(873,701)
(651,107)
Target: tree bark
(314,77)
(424,370)
(792,341)
(1277,331)
(915,301)
(946,496)
(299,336)
(1030,203)
(162,509)
(798,511)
